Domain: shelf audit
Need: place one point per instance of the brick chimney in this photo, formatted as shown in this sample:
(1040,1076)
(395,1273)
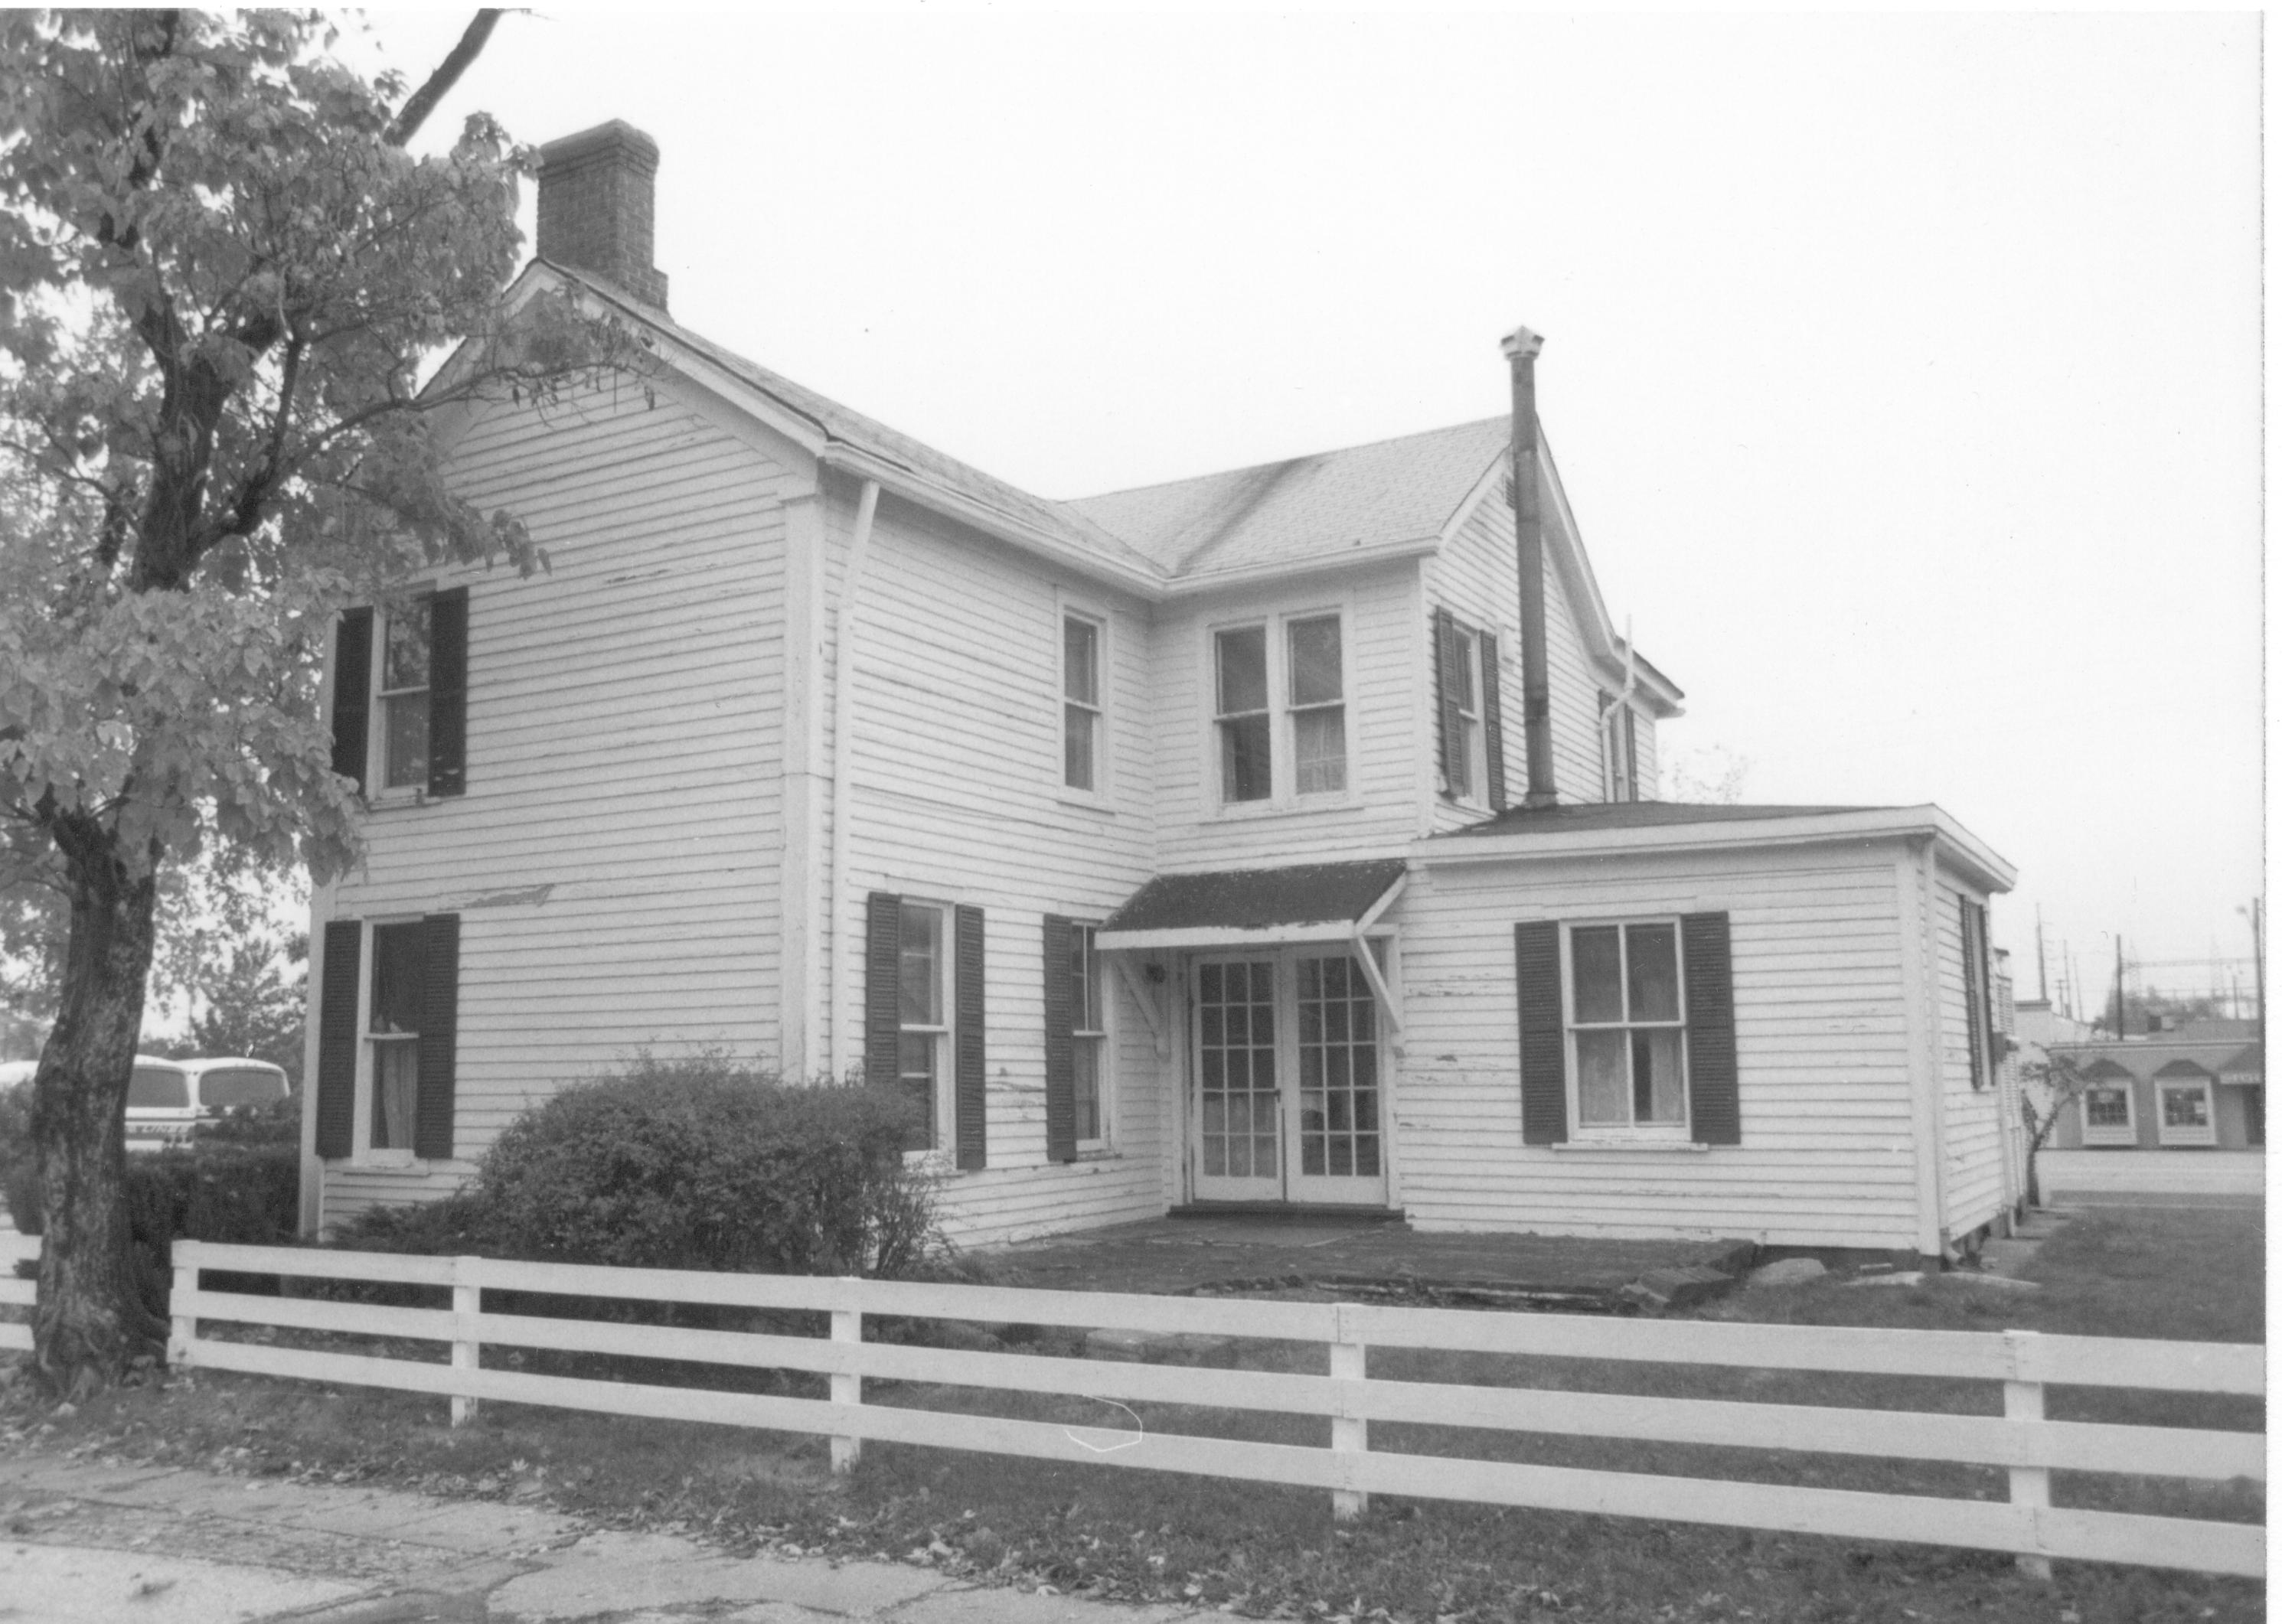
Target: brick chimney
(597,207)
(1521,347)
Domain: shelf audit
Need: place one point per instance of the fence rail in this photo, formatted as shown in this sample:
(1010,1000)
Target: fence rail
(2019,1441)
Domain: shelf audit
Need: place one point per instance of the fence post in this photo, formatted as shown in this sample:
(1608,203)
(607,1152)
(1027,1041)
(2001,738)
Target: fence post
(1350,1434)
(185,1330)
(467,1343)
(2033,1486)
(846,1327)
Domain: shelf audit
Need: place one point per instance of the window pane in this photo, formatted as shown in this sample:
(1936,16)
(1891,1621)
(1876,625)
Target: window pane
(1316,661)
(2107,1108)
(922,953)
(157,1087)
(395,1090)
(1244,759)
(1077,746)
(1592,961)
(404,659)
(1319,741)
(1081,646)
(1652,963)
(1243,669)
(2186,1108)
(1085,982)
(225,1090)
(1657,1094)
(398,962)
(406,718)
(1603,1089)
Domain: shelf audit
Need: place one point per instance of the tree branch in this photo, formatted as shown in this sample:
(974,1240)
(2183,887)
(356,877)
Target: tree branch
(423,101)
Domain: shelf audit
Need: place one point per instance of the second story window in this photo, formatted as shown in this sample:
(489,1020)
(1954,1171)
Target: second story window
(402,696)
(1080,703)
(1319,728)
(1619,749)
(1463,673)
(1279,710)
(1245,746)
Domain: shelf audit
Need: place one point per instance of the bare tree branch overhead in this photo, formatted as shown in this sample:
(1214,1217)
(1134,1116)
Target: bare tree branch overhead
(423,101)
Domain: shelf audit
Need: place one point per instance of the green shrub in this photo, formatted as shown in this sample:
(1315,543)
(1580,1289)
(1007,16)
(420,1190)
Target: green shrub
(241,1193)
(277,1122)
(704,1165)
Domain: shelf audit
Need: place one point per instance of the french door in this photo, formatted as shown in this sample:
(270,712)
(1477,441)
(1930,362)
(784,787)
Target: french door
(1289,1081)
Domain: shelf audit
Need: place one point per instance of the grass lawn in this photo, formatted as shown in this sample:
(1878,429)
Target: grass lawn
(1262,1552)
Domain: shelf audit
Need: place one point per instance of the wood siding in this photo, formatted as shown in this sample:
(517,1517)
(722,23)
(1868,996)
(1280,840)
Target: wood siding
(614,859)
(1973,1145)
(1819,1034)
(958,797)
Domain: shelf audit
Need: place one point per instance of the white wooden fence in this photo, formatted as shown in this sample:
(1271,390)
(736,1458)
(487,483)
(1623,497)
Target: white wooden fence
(2028,1446)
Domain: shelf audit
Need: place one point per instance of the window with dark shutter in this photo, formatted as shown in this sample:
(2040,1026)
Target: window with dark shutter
(353,695)
(1493,723)
(1714,1109)
(969,1079)
(1061,1067)
(338,1036)
(440,1036)
(1973,931)
(447,692)
(1544,1045)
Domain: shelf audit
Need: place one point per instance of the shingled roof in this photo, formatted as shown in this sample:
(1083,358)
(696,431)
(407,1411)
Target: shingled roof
(1301,510)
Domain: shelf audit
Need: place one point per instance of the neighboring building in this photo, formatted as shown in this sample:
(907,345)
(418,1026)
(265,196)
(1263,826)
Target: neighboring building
(1268,838)
(2199,1087)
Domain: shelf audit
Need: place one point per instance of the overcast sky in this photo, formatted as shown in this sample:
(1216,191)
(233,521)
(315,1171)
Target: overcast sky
(1904,371)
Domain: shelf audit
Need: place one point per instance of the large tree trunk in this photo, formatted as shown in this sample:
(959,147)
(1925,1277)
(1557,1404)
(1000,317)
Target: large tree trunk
(91,1322)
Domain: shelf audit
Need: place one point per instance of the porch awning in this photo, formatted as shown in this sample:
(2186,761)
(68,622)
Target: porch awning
(1237,907)
(2246,1068)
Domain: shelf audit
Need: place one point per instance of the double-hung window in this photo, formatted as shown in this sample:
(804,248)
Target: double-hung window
(388,1017)
(401,695)
(1279,710)
(1619,748)
(1628,1029)
(1463,769)
(1089,1039)
(2107,1114)
(1082,684)
(923,1009)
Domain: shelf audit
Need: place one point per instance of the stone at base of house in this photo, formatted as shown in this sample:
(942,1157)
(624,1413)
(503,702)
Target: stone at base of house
(1660,1289)
(1787,1272)
(1158,1347)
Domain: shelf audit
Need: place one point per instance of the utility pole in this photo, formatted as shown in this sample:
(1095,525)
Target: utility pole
(2257,969)
(2119,987)
(2043,993)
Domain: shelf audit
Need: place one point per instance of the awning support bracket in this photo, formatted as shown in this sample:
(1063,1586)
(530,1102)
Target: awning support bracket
(1140,987)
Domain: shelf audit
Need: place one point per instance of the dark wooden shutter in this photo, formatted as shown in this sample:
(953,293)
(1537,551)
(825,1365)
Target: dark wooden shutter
(968,1072)
(1061,1065)
(439,1037)
(1544,1046)
(352,694)
(1449,734)
(1493,723)
(1711,1091)
(447,692)
(1970,930)
(337,1038)
(883,949)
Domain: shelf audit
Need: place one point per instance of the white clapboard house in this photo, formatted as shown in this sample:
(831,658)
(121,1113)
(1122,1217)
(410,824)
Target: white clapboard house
(1280,838)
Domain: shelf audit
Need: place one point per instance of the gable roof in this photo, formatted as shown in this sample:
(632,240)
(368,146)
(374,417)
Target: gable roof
(1387,498)
(1305,509)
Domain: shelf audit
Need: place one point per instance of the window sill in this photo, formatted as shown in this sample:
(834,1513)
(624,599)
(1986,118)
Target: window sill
(396,801)
(2197,1138)
(1249,811)
(1083,802)
(1654,1147)
(410,1167)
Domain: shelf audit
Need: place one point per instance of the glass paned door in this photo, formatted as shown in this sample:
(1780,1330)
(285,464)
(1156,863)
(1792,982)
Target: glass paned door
(1289,1081)
(1240,1140)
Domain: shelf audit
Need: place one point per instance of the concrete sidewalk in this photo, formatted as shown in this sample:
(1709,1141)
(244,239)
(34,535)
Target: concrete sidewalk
(83,1544)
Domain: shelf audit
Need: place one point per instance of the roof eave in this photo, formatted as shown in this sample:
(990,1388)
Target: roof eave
(1247,574)
(1965,853)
